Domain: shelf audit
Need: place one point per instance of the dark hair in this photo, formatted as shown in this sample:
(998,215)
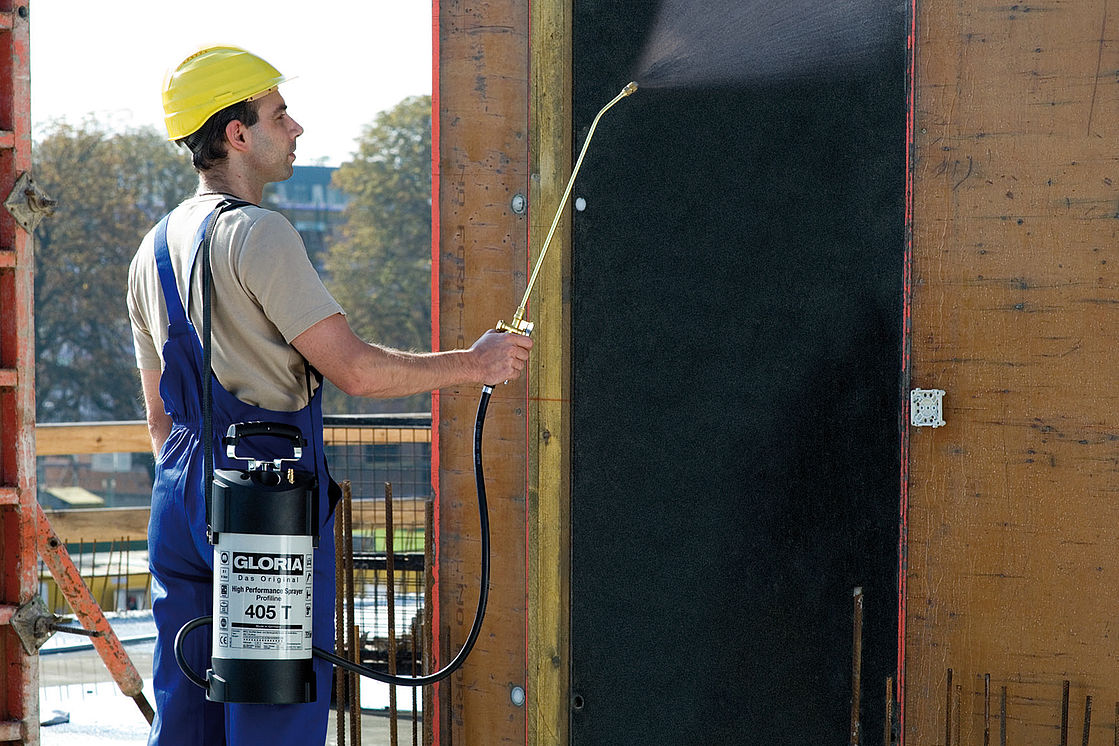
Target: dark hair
(207,143)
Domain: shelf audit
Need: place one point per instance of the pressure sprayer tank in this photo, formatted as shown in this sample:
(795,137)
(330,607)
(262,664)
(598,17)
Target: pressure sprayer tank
(263,533)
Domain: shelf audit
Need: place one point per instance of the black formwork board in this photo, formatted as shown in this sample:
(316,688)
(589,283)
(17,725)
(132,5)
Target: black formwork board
(736,301)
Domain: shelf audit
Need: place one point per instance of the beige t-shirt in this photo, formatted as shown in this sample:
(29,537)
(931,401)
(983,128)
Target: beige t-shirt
(265,293)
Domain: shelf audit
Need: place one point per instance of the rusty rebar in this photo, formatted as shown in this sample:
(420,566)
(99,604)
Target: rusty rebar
(888,721)
(428,637)
(948,711)
(1064,712)
(1087,720)
(355,691)
(986,709)
(354,644)
(390,606)
(415,629)
(856,665)
(340,676)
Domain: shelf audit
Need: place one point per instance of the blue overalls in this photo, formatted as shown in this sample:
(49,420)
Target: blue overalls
(181,557)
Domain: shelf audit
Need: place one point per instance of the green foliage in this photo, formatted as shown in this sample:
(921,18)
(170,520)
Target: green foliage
(379,266)
(110,188)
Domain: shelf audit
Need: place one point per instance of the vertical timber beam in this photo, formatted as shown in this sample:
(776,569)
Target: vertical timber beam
(19,671)
(549,490)
(1011,550)
(481,256)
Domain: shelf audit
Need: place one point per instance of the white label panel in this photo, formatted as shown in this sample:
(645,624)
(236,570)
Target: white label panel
(262,596)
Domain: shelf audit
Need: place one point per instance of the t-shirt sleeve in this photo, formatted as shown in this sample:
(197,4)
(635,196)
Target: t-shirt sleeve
(274,269)
(147,356)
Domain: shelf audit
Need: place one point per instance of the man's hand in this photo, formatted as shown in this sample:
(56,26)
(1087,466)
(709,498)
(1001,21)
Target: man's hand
(500,356)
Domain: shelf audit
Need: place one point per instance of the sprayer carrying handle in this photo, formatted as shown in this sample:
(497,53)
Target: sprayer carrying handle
(240,430)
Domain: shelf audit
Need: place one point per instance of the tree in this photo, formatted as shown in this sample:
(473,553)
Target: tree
(379,267)
(111,188)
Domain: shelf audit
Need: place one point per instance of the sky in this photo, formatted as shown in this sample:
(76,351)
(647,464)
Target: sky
(347,60)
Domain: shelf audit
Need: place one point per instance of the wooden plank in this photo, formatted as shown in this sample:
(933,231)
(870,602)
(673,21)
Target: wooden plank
(481,269)
(376,435)
(108,524)
(132,437)
(101,437)
(100,524)
(1015,299)
(549,468)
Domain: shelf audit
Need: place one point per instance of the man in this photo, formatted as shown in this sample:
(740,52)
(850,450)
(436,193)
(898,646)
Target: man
(275,329)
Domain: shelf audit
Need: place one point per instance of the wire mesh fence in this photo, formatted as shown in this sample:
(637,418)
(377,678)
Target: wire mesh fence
(374,455)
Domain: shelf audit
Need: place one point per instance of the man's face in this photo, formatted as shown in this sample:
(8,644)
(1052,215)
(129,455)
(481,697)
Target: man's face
(272,143)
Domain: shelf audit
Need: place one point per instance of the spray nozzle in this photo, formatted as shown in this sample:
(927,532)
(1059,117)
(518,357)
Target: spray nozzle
(519,325)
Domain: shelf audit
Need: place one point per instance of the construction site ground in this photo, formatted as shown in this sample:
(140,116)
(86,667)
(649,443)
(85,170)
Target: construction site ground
(76,688)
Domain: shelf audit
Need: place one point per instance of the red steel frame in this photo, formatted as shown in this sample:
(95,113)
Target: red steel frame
(19,672)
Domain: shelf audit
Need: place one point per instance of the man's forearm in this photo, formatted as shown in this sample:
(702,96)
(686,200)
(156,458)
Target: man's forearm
(385,373)
(362,369)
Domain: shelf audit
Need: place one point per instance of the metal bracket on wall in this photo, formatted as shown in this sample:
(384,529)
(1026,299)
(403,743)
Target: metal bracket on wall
(926,407)
(27,203)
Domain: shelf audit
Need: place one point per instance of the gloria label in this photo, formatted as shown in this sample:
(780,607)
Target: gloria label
(262,596)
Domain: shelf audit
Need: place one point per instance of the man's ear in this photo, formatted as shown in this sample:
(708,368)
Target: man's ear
(236,134)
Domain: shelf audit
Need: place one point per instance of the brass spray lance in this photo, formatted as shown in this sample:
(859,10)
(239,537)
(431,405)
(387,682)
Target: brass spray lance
(518,325)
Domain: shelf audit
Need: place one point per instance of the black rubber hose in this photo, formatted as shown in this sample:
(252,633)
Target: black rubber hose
(479,614)
(180,658)
(483,589)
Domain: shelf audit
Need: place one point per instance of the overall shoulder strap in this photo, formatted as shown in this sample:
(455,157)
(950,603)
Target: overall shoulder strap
(202,234)
(202,241)
(175,313)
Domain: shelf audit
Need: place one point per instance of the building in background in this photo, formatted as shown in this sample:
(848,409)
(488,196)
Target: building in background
(312,205)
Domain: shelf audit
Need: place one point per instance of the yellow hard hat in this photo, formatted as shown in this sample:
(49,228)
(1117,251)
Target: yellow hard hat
(210,80)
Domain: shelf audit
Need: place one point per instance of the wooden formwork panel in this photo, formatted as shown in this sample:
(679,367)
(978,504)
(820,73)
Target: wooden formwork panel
(480,253)
(1012,576)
